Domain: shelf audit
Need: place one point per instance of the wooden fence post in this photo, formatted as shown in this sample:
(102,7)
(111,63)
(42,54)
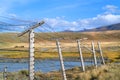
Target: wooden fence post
(81,57)
(61,60)
(101,53)
(31,47)
(31,55)
(94,54)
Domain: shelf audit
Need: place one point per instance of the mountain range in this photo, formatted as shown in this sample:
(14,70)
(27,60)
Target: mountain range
(105,28)
(102,28)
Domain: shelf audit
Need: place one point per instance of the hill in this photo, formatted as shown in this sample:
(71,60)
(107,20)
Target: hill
(105,28)
(113,35)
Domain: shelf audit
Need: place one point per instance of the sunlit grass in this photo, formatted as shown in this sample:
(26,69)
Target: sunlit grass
(114,56)
(13,54)
(104,72)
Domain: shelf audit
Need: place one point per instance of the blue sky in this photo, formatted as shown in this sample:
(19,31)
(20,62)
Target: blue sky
(64,14)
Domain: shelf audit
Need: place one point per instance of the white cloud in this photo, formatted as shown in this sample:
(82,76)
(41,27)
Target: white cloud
(59,23)
(111,9)
(99,20)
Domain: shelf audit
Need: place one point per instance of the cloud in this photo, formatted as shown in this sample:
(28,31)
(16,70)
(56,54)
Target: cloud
(111,9)
(61,23)
(99,20)
(107,18)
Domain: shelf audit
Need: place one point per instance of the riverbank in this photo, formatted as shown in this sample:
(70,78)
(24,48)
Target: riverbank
(109,71)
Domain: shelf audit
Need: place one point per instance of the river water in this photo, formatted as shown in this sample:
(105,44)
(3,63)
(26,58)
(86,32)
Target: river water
(40,65)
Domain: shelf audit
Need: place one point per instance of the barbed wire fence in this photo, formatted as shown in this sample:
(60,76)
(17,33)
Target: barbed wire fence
(47,59)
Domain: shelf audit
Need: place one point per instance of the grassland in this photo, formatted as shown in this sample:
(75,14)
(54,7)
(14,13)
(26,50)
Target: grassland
(12,46)
(65,36)
(104,72)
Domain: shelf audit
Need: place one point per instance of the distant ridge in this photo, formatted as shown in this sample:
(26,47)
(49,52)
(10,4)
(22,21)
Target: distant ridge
(67,31)
(105,28)
(111,35)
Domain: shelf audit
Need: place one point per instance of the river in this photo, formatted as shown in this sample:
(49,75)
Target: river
(40,65)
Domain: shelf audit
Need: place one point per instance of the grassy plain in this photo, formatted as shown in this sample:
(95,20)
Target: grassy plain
(12,46)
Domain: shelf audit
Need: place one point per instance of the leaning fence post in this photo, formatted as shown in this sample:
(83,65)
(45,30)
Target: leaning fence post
(94,54)
(80,53)
(61,60)
(31,47)
(101,53)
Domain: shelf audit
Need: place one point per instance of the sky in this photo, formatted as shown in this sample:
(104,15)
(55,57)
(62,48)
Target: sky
(64,14)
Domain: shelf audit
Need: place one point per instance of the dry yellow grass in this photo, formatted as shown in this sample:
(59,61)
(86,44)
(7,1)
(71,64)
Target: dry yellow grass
(104,72)
(49,50)
(46,48)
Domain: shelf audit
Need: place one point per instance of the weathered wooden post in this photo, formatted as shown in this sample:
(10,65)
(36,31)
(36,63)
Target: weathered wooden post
(101,53)
(31,48)
(31,55)
(5,73)
(80,53)
(94,54)
(61,60)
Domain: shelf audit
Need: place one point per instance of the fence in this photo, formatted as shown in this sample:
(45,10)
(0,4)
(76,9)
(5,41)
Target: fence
(52,61)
